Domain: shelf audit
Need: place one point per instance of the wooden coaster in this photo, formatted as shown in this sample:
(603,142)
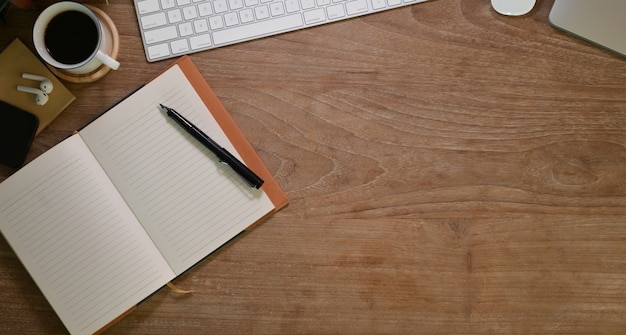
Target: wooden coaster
(103,69)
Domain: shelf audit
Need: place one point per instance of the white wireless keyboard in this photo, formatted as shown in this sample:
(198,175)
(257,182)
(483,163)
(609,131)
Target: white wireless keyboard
(171,28)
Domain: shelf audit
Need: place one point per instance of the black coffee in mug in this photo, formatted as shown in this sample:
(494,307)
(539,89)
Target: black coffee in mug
(71,37)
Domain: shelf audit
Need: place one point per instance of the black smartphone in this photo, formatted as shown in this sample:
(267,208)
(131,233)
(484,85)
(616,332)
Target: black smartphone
(17,130)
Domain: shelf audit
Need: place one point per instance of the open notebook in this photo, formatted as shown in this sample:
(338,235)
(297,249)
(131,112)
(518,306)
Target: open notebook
(110,215)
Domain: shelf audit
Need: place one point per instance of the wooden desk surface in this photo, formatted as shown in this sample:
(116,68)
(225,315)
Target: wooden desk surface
(450,171)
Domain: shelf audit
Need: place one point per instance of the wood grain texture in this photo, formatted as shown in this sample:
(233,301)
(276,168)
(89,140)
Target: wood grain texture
(450,171)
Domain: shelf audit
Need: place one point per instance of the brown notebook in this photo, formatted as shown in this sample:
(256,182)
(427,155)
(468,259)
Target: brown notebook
(110,215)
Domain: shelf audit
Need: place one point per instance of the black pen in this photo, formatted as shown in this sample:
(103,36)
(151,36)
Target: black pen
(222,154)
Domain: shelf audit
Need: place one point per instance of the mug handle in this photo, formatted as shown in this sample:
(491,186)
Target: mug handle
(107,60)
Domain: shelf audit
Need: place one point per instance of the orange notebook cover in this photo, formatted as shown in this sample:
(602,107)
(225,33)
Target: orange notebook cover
(226,122)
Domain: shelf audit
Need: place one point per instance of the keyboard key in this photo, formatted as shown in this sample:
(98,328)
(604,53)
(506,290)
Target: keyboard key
(200,26)
(175,16)
(356,7)
(231,19)
(148,6)
(158,51)
(215,22)
(250,3)
(220,6)
(235,4)
(246,15)
(378,4)
(200,41)
(308,4)
(190,12)
(394,2)
(160,34)
(204,9)
(179,46)
(292,6)
(277,8)
(167,4)
(185,29)
(261,12)
(335,11)
(153,20)
(258,29)
(314,16)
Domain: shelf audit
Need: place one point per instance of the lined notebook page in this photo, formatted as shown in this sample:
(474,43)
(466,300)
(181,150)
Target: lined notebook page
(78,239)
(187,201)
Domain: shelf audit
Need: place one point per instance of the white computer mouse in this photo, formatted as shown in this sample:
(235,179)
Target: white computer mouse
(513,7)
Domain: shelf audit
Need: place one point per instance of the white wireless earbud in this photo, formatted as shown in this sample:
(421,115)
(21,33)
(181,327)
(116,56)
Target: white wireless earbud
(40,99)
(45,83)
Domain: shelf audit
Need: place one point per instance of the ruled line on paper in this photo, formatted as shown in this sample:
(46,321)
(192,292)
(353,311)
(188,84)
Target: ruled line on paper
(80,244)
(177,188)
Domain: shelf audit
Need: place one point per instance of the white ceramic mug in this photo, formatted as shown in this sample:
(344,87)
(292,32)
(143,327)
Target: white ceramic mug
(89,63)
